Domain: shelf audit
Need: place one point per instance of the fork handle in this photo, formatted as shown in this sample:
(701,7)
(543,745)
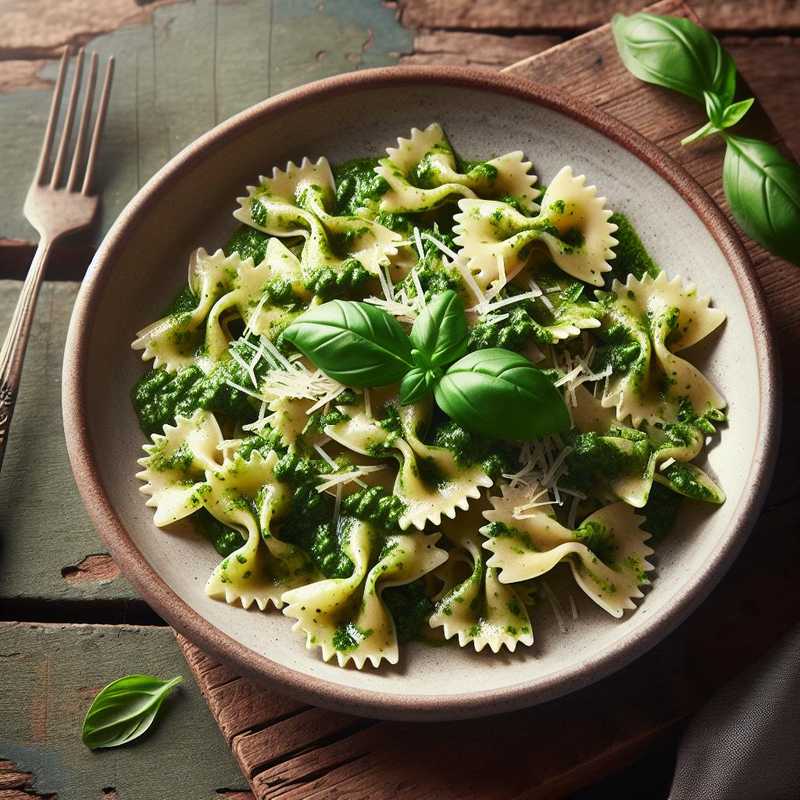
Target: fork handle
(12,353)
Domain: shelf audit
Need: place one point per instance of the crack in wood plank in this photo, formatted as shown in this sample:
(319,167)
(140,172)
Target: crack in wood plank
(98,567)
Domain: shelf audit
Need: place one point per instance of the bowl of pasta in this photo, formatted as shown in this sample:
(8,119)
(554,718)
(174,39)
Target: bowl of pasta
(465,378)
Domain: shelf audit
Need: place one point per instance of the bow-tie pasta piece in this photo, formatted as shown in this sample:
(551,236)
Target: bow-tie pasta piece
(171,341)
(347,617)
(606,553)
(298,202)
(429,482)
(654,318)
(476,607)
(262,295)
(174,470)
(496,240)
(626,461)
(422,174)
(247,496)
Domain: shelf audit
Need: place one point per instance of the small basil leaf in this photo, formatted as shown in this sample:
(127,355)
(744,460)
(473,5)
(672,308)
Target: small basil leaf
(440,331)
(354,343)
(416,384)
(500,394)
(714,108)
(124,710)
(734,112)
(763,190)
(675,53)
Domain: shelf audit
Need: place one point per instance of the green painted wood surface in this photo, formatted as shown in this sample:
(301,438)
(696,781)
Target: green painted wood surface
(57,670)
(189,66)
(44,528)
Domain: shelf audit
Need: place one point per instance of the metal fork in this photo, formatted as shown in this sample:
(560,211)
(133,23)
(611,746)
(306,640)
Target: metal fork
(55,206)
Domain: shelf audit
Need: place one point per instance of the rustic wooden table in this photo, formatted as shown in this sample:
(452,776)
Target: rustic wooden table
(70,623)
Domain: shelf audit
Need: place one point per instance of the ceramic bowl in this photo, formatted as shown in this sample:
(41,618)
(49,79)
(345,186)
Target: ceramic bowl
(188,203)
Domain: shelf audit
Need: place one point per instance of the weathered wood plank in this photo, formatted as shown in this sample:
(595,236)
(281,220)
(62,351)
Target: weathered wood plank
(475,49)
(50,550)
(56,670)
(183,67)
(544,15)
(769,64)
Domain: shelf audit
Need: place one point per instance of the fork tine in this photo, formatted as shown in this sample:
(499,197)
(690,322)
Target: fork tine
(83,127)
(52,120)
(69,117)
(98,126)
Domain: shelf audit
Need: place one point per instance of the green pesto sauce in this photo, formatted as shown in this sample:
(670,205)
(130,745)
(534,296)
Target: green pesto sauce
(599,539)
(661,511)
(685,481)
(631,255)
(595,457)
(494,456)
(357,185)
(159,396)
(225,539)
(248,243)
(375,505)
(348,637)
(410,608)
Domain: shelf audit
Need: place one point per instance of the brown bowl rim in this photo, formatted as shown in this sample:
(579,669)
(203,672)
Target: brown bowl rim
(379,704)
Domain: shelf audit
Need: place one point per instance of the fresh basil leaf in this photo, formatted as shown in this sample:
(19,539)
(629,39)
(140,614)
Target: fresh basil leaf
(416,384)
(714,108)
(354,343)
(440,331)
(124,710)
(500,394)
(763,190)
(675,53)
(734,112)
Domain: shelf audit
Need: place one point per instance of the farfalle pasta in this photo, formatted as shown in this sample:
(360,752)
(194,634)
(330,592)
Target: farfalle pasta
(381,513)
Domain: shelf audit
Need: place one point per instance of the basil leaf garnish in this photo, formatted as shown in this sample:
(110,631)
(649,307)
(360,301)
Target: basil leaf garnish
(763,190)
(439,334)
(500,394)
(675,53)
(124,710)
(354,343)
(415,385)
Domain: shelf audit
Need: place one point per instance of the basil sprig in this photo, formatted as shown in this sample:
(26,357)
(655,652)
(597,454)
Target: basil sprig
(761,185)
(493,392)
(124,710)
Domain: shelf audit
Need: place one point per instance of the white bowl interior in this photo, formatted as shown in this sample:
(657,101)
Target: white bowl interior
(197,211)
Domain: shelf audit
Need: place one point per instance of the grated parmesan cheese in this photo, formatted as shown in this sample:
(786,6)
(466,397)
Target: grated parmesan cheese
(666,464)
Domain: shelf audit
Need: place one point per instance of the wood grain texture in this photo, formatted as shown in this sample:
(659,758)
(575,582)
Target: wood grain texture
(185,66)
(46,534)
(628,710)
(545,15)
(57,670)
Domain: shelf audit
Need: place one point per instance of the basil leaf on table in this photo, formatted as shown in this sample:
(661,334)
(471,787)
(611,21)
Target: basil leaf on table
(439,334)
(675,53)
(354,343)
(500,394)
(124,710)
(763,190)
